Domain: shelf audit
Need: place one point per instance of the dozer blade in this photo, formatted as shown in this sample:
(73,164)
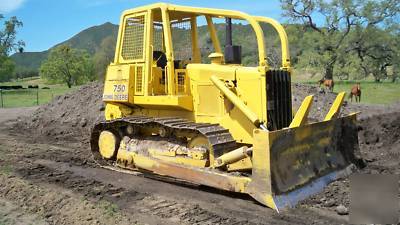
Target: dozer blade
(291,164)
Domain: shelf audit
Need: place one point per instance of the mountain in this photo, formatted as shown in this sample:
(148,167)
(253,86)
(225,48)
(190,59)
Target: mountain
(88,39)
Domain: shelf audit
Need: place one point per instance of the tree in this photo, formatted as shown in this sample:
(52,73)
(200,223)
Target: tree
(8,44)
(104,56)
(374,38)
(67,65)
(6,68)
(23,72)
(329,42)
(374,49)
(396,61)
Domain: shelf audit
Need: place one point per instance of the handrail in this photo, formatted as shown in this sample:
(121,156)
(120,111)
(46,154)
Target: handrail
(282,36)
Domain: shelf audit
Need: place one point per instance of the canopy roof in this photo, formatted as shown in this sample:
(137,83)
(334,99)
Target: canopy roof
(177,12)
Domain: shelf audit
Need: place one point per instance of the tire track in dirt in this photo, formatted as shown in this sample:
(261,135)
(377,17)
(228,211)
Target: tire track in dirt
(126,200)
(158,205)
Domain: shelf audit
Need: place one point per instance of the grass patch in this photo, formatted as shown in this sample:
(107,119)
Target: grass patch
(32,97)
(6,169)
(111,209)
(2,153)
(4,221)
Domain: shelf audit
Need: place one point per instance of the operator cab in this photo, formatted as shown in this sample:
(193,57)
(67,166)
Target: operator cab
(159,45)
(185,48)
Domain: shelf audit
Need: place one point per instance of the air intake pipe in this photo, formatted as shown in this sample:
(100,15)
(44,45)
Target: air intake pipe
(233,53)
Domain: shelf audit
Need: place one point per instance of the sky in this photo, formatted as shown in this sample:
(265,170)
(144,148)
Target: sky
(49,22)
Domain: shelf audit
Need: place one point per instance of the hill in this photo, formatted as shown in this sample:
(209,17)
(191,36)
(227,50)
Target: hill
(88,39)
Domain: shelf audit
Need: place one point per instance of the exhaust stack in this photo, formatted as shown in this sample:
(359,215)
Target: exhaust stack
(233,53)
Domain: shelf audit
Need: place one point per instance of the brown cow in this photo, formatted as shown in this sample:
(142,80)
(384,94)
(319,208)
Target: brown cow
(355,91)
(327,83)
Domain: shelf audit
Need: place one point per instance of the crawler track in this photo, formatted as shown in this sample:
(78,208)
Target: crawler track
(219,138)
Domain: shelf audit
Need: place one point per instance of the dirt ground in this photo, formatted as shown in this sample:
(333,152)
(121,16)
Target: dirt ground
(47,175)
(14,113)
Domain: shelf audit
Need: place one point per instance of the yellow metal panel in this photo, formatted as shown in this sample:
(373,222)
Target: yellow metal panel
(260,186)
(116,110)
(241,165)
(301,115)
(203,72)
(119,84)
(156,87)
(182,160)
(210,107)
(252,91)
(165,102)
(239,126)
(236,100)
(206,104)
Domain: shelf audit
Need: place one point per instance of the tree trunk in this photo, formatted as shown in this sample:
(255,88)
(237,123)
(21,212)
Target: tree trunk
(329,68)
(394,78)
(329,72)
(69,81)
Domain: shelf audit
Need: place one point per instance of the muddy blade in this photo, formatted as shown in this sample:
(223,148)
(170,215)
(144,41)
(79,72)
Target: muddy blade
(304,160)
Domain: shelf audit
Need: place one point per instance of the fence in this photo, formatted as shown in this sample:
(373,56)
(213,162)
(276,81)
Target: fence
(24,97)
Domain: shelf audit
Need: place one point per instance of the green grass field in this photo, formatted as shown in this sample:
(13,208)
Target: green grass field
(374,93)
(29,97)
(371,92)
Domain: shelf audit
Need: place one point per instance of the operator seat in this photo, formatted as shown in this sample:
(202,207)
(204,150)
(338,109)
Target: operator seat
(160,58)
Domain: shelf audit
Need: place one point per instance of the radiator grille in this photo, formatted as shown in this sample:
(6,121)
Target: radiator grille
(279,99)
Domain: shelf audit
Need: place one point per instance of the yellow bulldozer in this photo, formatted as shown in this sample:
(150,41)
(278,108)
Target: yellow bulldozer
(192,113)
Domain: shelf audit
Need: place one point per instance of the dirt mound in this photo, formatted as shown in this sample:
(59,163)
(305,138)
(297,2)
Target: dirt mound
(67,117)
(322,100)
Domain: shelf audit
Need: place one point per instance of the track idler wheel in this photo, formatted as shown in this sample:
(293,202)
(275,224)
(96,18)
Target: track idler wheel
(108,144)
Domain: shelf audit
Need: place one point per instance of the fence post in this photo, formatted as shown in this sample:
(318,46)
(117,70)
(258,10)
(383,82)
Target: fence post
(37,96)
(1,96)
